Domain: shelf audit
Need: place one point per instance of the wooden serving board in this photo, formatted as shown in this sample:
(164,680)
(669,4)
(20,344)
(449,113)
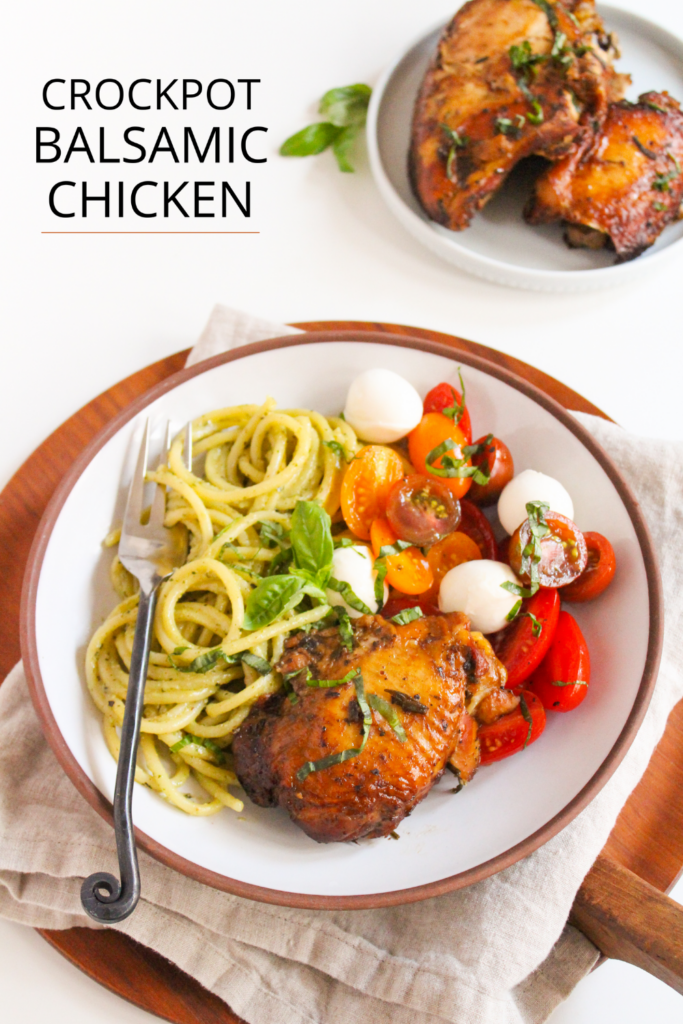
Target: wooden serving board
(620,905)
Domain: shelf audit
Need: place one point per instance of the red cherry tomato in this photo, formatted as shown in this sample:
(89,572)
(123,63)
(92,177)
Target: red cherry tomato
(597,575)
(421,510)
(512,732)
(504,550)
(398,603)
(561,680)
(475,524)
(496,460)
(563,551)
(444,396)
(519,649)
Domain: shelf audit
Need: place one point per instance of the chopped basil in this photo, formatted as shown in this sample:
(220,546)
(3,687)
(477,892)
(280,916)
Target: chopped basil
(346,591)
(339,450)
(537,116)
(203,662)
(531,556)
(526,715)
(659,207)
(324,683)
(514,588)
(459,141)
(384,708)
(180,650)
(408,703)
(524,59)
(347,542)
(230,547)
(576,682)
(274,534)
(343,755)
(394,549)
(662,181)
(345,627)
(504,126)
(536,626)
(201,742)
(650,154)
(514,611)
(549,12)
(655,106)
(407,615)
(381,569)
(394,834)
(452,468)
(259,665)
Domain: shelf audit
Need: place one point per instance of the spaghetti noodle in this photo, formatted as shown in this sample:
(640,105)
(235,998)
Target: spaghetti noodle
(206,669)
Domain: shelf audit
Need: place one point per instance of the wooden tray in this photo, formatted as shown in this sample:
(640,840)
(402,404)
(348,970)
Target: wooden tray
(620,906)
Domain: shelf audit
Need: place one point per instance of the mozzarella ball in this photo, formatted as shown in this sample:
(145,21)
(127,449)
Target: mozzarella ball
(475,589)
(382,407)
(355,566)
(531,486)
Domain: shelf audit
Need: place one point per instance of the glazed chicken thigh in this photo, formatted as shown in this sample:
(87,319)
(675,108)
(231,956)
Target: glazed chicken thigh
(510,79)
(365,733)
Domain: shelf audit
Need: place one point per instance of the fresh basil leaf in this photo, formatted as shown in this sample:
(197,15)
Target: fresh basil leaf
(203,662)
(346,106)
(343,755)
(281,560)
(655,106)
(384,708)
(549,12)
(201,742)
(346,591)
(345,627)
(408,703)
(180,650)
(381,570)
(526,715)
(310,140)
(260,665)
(407,615)
(536,626)
(312,544)
(274,596)
(532,554)
(453,468)
(514,588)
(342,146)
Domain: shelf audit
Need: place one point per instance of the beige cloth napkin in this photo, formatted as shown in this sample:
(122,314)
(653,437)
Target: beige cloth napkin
(496,953)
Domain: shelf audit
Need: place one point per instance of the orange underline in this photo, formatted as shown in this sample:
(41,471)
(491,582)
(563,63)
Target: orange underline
(150,232)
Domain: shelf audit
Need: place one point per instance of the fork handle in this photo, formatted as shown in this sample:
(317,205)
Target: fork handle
(103,897)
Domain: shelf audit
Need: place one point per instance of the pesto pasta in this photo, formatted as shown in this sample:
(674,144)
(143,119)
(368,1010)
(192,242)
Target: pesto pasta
(212,656)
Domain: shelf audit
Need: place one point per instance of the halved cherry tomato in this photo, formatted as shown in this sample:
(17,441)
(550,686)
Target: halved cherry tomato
(561,680)
(475,524)
(597,575)
(421,509)
(512,732)
(563,552)
(444,396)
(407,571)
(517,647)
(432,430)
(366,486)
(397,604)
(443,556)
(496,460)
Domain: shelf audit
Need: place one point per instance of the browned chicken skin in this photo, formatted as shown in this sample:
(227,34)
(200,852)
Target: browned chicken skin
(626,187)
(430,670)
(510,78)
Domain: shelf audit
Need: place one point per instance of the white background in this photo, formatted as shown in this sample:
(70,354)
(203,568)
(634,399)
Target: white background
(80,312)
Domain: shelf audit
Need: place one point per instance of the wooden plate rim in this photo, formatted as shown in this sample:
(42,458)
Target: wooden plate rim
(368,900)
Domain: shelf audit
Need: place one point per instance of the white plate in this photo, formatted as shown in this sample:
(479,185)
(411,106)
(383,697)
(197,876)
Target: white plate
(499,245)
(448,841)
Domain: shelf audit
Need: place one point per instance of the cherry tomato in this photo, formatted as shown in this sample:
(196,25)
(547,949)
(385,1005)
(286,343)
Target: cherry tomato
(475,524)
(431,431)
(366,486)
(563,551)
(407,571)
(597,575)
(420,509)
(512,732)
(453,550)
(444,396)
(519,649)
(504,550)
(399,603)
(496,460)
(561,680)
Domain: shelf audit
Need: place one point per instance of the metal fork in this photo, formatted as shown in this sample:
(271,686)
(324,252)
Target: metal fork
(150,552)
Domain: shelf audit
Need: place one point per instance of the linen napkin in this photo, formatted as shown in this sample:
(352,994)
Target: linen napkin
(499,952)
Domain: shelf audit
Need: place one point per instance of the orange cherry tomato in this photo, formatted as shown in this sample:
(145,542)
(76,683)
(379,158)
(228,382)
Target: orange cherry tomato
(407,571)
(433,429)
(443,556)
(366,486)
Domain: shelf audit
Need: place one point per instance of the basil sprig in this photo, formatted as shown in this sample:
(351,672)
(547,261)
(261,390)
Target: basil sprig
(343,755)
(388,713)
(312,548)
(345,112)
